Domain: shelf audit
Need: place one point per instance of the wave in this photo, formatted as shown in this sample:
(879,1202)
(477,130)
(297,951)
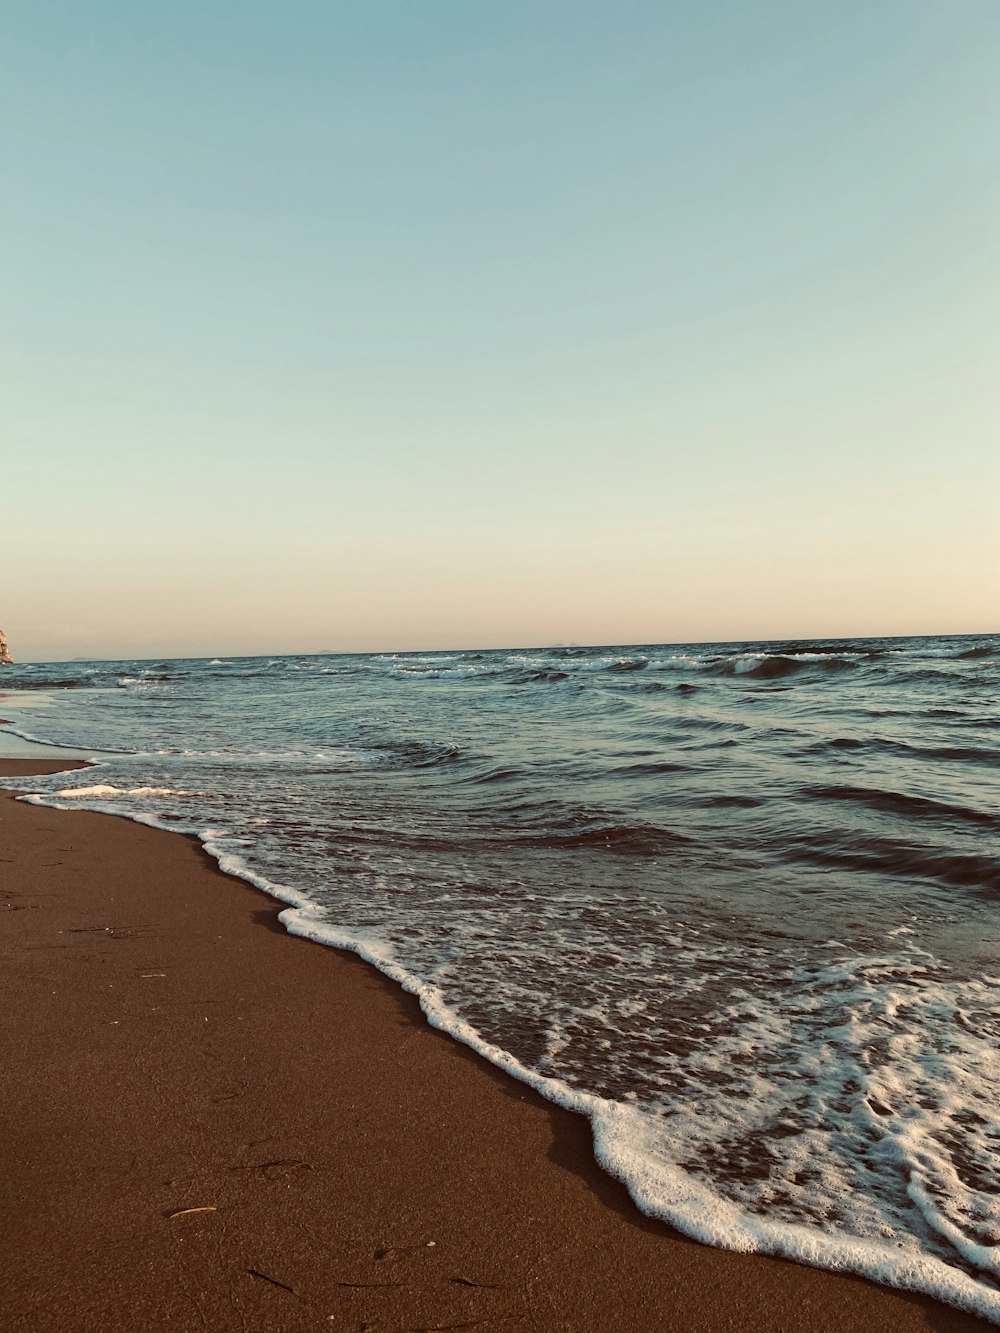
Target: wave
(980,755)
(756,667)
(895,858)
(629,664)
(496,775)
(511,675)
(901,803)
(973,654)
(734,802)
(912,673)
(652,768)
(772,668)
(624,839)
(416,754)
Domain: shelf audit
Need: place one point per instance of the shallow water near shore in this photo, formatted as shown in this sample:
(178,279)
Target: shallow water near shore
(738,903)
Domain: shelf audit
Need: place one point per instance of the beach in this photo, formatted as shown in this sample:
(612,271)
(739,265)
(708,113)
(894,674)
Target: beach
(211,1124)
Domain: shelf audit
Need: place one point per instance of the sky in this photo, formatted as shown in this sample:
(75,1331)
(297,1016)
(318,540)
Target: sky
(394,325)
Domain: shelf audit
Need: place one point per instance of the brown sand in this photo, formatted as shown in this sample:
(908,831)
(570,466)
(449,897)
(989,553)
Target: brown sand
(168,1047)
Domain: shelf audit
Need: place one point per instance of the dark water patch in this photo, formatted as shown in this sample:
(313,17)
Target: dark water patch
(901,804)
(699,722)
(930,675)
(543,812)
(623,839)
(654,768)
(734,802)
(417,754)
(894,859)
(522,676)
(973,654)
(839,746)
(543,821)
(518,676)
(980,755)
(497,775)
(834,749)
(722,743)
(629,664)
(959,754)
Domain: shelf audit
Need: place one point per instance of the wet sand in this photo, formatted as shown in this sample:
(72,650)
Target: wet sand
(209,1124)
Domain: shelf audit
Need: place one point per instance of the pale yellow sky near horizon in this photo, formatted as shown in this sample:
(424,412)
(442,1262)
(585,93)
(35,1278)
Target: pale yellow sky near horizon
(385,330)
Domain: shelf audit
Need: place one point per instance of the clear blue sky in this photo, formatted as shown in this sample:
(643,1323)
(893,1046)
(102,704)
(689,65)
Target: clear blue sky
(398,325)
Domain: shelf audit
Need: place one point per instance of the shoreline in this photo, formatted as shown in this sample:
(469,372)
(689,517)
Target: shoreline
(409,1185)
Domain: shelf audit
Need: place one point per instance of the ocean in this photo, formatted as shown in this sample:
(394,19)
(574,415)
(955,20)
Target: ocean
(737,903)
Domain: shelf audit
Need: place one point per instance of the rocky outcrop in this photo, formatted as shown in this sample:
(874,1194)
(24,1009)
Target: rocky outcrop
(5,657)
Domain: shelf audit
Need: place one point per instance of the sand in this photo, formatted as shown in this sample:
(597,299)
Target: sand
(209,1124)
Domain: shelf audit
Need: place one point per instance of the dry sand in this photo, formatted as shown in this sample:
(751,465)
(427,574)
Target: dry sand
(209,1124)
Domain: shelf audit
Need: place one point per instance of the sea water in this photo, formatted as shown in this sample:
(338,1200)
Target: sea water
(739,904)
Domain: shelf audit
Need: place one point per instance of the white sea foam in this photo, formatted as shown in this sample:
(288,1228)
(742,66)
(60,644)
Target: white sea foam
(102,791)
